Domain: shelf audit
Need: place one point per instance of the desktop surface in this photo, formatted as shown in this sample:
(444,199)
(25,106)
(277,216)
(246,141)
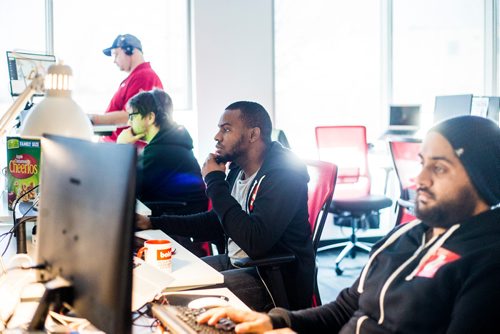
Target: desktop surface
(185,265)
(188,270)
(104,130)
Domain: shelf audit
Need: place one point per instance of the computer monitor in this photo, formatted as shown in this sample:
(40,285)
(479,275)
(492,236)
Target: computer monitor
(22,68)
(449,106)
(86,224)
(486,106)
(493,108)
(404,117)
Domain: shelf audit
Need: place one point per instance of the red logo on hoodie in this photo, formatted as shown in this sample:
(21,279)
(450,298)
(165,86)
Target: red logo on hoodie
(441,257)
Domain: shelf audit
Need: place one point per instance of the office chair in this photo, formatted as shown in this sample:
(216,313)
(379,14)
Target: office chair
(353,205)
(321,186)
(404,154)
(279,136)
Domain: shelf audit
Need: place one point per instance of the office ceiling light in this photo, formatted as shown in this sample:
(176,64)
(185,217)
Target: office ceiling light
(58,113)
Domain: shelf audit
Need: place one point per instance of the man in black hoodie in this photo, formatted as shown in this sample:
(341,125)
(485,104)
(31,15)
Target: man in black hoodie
(260,207)
(167,170)
(437,274)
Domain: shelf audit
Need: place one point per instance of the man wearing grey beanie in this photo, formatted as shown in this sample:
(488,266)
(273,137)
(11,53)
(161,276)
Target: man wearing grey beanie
(437,274)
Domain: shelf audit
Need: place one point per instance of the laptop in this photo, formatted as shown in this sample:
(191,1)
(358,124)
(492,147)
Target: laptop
(404,120)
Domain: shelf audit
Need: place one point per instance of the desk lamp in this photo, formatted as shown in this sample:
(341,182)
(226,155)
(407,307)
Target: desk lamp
(56,114)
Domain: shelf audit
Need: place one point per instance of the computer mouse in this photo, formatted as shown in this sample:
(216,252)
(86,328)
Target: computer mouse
(208,302)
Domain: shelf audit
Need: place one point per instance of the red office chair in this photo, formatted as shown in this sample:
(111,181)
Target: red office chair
(353,205)
(404,155)
(323,176)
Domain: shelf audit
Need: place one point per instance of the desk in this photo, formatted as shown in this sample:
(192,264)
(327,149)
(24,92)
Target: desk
(142,325)
(188,270)
(105,130)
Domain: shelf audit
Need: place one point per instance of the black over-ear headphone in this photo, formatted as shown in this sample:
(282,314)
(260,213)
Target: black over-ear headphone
(129,50)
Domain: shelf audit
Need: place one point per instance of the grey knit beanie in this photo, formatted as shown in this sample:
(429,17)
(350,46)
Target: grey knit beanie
(476,142)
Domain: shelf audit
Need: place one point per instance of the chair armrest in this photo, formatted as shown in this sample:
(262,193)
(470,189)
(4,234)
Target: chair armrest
(165,207)
(406,203)
(247,262)
(170,204)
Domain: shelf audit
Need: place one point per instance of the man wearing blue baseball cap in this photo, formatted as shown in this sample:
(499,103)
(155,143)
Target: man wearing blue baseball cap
(127,51)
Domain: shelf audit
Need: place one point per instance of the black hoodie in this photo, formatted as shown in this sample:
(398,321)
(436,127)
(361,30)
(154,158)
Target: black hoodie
(167,169)
(277,222)
(449,284)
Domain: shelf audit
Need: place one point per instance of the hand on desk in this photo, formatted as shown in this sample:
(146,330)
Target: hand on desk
(248,321)
(143,222)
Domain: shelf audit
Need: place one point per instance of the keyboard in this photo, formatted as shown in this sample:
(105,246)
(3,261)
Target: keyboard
(182,320)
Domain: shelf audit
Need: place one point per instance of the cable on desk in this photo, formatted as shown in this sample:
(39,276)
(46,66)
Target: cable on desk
(265,285)
(36,266)
(11,231)
(146,314)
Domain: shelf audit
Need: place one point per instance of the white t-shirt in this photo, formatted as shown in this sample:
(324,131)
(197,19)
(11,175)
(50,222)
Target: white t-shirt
(239,192)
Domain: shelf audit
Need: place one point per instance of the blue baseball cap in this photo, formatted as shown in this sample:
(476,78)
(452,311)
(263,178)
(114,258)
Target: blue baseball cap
(126,42)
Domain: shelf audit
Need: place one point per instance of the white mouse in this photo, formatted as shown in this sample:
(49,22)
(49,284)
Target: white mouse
(207,302)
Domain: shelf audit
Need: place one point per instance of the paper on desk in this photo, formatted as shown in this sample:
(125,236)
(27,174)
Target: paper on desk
(147,282)
(152,234)
(141,208)
(188,270)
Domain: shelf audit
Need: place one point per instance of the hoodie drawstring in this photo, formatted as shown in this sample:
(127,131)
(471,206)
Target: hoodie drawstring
(408,226)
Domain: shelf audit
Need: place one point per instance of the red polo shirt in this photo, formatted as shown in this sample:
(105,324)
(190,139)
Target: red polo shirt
(142,78)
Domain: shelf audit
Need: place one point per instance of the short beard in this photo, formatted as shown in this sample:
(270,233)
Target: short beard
(450,212)
(235,153)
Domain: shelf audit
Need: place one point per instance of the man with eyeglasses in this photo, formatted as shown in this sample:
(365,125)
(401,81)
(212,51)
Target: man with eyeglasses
(127,52)
(167,170)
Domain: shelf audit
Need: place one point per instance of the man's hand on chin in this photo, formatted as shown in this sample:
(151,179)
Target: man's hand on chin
(211,165)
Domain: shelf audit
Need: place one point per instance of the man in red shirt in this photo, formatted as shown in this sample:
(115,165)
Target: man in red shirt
(127,50)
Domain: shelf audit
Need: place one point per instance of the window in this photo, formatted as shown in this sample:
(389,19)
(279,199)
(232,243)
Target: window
(438,49)
(82,29)
(18,20)
(328,68)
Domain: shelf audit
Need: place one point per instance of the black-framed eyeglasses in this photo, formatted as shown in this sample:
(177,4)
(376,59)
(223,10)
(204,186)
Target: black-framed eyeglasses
(131,115)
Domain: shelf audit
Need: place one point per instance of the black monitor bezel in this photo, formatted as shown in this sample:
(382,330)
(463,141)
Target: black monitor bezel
(84,235)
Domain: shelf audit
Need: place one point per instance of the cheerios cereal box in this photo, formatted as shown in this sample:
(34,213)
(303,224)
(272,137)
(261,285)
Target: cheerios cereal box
(23,168)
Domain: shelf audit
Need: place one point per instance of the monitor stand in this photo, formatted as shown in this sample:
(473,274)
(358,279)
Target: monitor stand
(57,292)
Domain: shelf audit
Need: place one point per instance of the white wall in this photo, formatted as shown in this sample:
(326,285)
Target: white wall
(233,60)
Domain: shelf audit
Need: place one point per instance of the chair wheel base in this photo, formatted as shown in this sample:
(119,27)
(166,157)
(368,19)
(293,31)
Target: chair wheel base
(338,271)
